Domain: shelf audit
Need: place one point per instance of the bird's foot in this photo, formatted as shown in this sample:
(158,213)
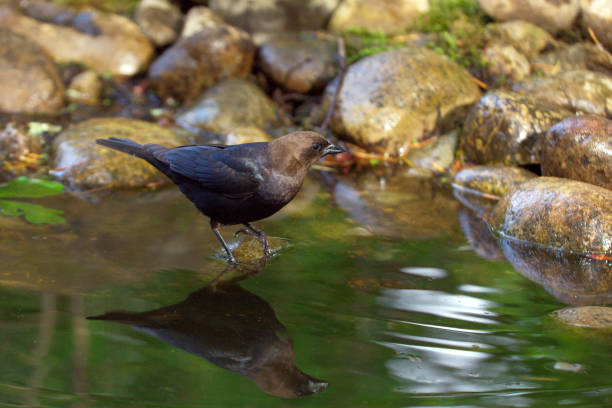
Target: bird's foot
(245,231)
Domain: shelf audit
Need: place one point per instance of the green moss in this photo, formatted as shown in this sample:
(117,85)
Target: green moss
(114,6)
(361,43)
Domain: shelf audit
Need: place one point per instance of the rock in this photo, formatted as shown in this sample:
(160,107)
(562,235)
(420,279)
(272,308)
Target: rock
(525,37)
(505,64)
(436,156)
(199,61)
(299,62)
(557,213)
(86,88)
(242,135)
(19,151)
(478,235)
(596,317)
(575,57)
(159,20)
(579,148)
(263,17)
(552,15)
(397,206)
(578,91)
(506,127)
(29,80)
(83,164)
(392,99)
(573,279)
(228,105)
(198,18)
(598,17)
(388,16)
(115,45)
(480,187)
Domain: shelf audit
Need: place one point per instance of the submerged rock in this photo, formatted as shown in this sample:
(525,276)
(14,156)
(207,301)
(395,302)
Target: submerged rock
(573,279)
(107,43)
(397,206)
(506,127)
(578,91)
(300,62)
(580,148)
(199,61)
(83,164)
(552,15)
(159,20)
(575,57)
(598,16)
(595,317)
(478,235)
(557,213)
(526,38)
(29,80)
(388,16)
(228,105)
(393,99)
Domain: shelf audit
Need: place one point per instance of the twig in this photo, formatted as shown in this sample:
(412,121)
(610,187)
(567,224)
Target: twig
(341,56)
(596,40)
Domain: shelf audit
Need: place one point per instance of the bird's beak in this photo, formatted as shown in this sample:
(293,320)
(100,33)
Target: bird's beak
(332,149)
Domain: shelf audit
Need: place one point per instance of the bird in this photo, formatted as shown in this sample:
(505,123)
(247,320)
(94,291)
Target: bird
(236,184)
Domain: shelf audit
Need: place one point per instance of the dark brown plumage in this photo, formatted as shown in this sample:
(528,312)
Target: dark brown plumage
(236,184)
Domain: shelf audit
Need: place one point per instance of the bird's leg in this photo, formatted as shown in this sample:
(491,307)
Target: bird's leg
(261,237)
(215,227)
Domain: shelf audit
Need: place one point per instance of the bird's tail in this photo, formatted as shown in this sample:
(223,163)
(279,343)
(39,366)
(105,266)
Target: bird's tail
(124,145)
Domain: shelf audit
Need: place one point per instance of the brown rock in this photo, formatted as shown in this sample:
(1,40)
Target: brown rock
(199,18)
(579,148)
(596,317)
(17,151)
(575,57)
(388,16)
(552,15)
(478,235)
(526,38)
(86,87)
(598,17)
(159,20)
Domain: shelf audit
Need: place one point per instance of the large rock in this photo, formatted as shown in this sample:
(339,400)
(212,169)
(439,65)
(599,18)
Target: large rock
(392,99)
(525,37)
(109,43)
(274,16)
(506,127)
(580,148)
(159,20)
(553,15)
(388,16)
(29,80)
(83,164)
(230,104)
(299,62)
(578,91)
(575,57)
(557,213)
(598,17)
(197,62)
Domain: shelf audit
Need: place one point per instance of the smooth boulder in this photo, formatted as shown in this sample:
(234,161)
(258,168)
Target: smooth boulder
(553,15)
(388,16)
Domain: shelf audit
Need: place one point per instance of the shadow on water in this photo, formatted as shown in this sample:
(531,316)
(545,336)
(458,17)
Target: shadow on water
(231,328)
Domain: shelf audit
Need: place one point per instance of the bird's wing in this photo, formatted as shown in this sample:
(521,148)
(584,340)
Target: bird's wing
(229,172)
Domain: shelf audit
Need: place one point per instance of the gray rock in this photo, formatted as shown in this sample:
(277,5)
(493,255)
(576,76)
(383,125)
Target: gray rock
(231,104)
(159,20)
(598,16)
(86,87)
(198,18)
(557,213)
(578,91)
(505,64)
(579,148)
(393,99)
(552,15)
(299,62)
(109,43)
(29,80)
(83,164)
(595,317)
(388,16)
(575,57)
(525,37)
(438,155)
(506,128)
(197,62)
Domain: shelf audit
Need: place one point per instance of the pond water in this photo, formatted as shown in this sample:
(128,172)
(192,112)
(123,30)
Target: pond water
(386,321)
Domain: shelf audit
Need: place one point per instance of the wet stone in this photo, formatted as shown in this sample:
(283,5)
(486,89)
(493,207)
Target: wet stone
(549,14)
(159,20)
(384,105)
(596,317)
(299,62)
(557,213)
(506,127)
(578,91)
(82,164)
(580,148)
(573,279)
(199,61)
(228,105)
(29,80)
(388,16)
(526,38)
(575,57)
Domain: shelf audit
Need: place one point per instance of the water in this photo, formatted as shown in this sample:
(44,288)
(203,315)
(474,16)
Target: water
(387,322)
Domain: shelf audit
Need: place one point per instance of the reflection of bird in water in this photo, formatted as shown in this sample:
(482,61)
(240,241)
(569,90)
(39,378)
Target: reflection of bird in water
(232,328)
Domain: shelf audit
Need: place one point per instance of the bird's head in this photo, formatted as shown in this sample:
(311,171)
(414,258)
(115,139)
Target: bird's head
(303,148)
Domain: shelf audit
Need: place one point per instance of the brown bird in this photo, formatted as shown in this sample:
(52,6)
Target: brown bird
(236,184)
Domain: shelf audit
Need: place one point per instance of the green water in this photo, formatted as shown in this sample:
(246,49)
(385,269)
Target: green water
(388,322)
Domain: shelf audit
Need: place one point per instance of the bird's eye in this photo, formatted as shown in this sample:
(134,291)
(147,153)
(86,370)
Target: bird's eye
(316,147)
